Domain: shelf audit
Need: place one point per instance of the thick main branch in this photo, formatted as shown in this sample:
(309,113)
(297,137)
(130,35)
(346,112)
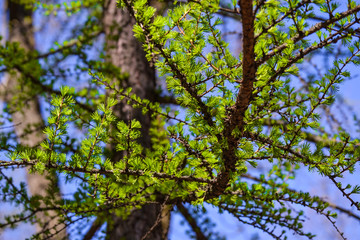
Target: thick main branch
(237,111)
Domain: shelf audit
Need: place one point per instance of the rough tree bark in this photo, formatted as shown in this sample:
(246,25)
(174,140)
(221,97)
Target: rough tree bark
(125,52)
(28,122)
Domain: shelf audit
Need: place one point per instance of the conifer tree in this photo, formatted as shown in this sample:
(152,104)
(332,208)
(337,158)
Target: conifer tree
(24,108)
(176,121)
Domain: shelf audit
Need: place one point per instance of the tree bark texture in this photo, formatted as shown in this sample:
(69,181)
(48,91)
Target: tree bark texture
(125,52)
(28,122)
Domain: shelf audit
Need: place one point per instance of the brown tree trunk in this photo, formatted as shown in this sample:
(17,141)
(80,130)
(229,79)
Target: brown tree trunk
(28,121)
(125,52)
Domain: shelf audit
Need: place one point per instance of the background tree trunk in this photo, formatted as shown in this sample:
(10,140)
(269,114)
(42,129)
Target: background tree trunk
(28,122)
(125,52)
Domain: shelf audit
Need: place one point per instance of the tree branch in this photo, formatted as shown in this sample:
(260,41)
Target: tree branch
(237,111)
(192,222)
(312,30)
(95,226)
(60,168)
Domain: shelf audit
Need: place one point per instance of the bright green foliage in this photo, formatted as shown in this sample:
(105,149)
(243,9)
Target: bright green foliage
(282,125)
